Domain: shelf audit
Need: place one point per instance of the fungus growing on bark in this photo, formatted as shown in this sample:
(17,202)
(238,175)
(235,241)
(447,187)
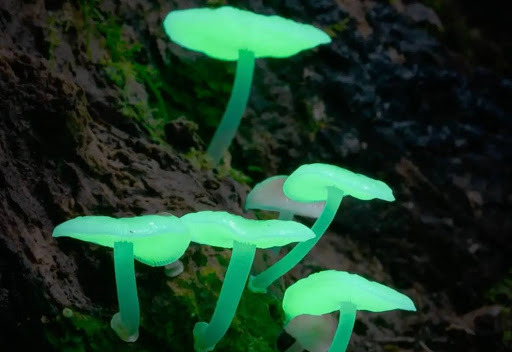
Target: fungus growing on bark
(228,33)
(331,290)
(221,229)
(151,239)
(314,183)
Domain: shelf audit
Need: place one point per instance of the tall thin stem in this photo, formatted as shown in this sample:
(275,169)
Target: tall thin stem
(207,335)
(126,322)
(260,282)
(345,326)
(235,108)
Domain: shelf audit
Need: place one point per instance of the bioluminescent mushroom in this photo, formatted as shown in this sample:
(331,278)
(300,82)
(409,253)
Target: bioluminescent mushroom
(228,33)
(269,195)
(315,183)
(151,239)
(221,229)
(331,290)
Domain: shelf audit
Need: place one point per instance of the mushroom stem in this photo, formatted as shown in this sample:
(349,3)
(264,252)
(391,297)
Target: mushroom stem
(260,282)
(126,322)
(345,327)
(235,109)
(206,335)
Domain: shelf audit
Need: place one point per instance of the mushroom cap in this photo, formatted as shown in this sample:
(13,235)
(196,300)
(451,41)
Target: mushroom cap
(222,32)
(309,183)
(222,229)
(157,240)
(324,292)
(314,332)
(268,195)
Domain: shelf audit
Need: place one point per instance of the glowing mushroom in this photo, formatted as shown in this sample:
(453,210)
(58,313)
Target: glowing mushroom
(221,229)
(315,183)
(331,290)
(228,33)
(151,239)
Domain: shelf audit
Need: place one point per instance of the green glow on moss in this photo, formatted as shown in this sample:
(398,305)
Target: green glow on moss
(226,230)
(207,335)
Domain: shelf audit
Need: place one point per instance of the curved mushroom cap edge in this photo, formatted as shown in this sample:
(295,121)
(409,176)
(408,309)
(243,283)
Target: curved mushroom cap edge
(157,240)
(309,183)
(222,32)
(221,229)
(323,292)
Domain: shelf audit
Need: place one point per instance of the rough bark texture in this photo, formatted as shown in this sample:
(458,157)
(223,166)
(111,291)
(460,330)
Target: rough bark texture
(97,111)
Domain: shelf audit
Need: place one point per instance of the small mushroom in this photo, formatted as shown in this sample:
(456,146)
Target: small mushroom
(151,239)
(228,33)
(313,333)
(331,290)
(315,183)
(269,195)
(221,229)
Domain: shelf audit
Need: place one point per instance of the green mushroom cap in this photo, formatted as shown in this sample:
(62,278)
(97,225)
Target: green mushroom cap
(309,183)
(222,229)
(222,32)
(157,240)
(324,292)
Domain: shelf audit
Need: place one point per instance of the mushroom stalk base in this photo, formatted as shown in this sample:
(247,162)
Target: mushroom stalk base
(126,322)
(207,335)
(260,282)
(235,109)
(345,327)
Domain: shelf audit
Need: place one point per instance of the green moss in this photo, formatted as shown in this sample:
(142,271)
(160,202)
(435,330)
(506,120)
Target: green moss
(80,332)
(170,307)
(257,323)
(199,259)
(199,160)
(337,28)
(123,67)
(501,292)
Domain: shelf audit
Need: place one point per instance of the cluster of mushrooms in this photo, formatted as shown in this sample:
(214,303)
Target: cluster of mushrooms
(313,190)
